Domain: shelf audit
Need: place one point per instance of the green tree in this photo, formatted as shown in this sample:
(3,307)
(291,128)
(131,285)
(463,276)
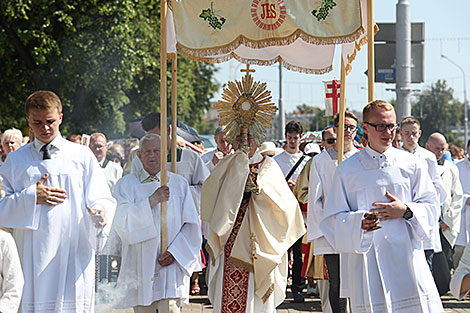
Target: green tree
(439,111)
(100,57)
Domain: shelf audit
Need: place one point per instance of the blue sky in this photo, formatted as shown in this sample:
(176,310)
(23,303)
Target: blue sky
(447,31)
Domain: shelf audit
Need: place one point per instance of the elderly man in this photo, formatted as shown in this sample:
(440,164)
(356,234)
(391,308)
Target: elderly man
(149,279)
(56,198)
(450,211)
(384,269)
(112,170)
(11,140)
(213,157)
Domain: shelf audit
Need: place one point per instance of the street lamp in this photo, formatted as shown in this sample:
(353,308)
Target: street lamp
(464,97)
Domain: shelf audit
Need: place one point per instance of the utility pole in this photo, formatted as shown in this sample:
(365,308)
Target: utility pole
(403,59)
(282,115)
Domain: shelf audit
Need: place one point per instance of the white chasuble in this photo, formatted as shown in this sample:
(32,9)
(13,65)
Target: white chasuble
(384,270)
(57,243)
(142,280)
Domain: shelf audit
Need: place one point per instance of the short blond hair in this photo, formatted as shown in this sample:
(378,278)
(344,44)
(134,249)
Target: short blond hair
(373,105)
(43,100)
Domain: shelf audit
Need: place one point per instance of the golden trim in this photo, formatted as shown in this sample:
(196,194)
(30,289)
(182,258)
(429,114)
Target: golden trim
(268,293)
(241,264)
(358,46)
(211,254)
(270,42)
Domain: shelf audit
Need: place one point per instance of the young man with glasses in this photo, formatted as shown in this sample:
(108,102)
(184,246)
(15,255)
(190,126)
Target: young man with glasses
(411,132)
(382,269)
(322,171)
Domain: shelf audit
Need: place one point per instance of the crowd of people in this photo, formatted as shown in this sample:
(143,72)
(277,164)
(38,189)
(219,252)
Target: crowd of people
(385,230)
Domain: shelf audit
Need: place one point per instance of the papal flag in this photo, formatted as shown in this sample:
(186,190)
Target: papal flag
(332,94)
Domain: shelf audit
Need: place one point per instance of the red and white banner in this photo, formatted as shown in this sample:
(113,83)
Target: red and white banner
(332,95)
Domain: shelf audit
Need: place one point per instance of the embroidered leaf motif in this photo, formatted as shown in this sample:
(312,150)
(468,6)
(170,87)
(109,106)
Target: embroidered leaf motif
(205,14)
(209,15)
(324,10)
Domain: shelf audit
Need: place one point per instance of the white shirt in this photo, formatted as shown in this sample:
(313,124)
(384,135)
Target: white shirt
(138,227)
(112,172)
(287,161)
(384,270)
(56,244)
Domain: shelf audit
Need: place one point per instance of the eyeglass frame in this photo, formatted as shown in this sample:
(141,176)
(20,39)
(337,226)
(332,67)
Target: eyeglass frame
(386,126)
(333,140)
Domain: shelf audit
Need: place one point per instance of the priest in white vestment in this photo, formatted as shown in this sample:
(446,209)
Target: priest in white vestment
(56,199)
(463,238)
(254,218)
(386,269)
(148,279)
(212,158)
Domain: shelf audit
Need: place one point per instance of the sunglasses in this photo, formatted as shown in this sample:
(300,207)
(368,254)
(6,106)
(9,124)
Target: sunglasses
(331,140)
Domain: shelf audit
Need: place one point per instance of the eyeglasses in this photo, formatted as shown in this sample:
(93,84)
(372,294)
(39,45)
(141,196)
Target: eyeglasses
(383,127)
(331,140)
(350,128)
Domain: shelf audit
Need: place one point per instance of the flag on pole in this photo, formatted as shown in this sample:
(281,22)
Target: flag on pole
(332,95)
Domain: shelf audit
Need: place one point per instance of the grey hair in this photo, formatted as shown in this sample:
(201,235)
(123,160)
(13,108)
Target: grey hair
(147,137)
(13,132)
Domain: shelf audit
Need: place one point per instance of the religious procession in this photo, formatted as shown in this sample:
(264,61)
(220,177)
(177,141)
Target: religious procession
(111,206)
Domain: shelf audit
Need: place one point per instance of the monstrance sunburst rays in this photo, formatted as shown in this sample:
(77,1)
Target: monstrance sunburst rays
(246,105)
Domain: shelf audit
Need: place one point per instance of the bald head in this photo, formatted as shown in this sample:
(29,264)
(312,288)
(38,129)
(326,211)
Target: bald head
(437,144)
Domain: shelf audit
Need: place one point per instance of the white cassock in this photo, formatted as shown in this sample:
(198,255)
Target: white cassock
(11,275)
(430,166)
(463,237)
(322,171)
(287,161)
(460,272)
(138,227)
(386,268)
(190,167)
(112,172)
(57,243)
(452,207)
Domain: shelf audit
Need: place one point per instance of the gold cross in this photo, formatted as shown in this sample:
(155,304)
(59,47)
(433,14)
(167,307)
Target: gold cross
(248,70)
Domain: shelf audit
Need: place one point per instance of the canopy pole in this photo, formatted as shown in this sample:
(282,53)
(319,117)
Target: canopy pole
(370,50)
(174,114)
(163,119)
(342,110)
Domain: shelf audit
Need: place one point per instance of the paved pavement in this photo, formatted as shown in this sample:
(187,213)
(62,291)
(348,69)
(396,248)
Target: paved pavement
(200,304)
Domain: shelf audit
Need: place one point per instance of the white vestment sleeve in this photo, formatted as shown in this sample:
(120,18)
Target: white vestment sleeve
(134,221)
(187,243)
(462,270)
(341,226)
(18,209)
(12,276)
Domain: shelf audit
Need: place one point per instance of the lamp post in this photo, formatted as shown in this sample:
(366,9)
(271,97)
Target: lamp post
(464,97)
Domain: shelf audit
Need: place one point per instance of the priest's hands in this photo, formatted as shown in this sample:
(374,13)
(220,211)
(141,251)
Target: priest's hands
(390,210)
(166,259)
(217,157)
(48,195)
(98,216)
(291,183)
(162,194)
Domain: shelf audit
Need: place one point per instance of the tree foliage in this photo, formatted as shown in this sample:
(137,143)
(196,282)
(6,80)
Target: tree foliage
(100,57)
(439,111)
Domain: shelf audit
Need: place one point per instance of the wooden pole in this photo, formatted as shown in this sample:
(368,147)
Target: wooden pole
(342,110)
(163,119)
(370,50)
(174,122)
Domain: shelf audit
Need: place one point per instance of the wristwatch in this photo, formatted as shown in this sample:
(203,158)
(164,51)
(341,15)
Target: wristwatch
(408,213)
